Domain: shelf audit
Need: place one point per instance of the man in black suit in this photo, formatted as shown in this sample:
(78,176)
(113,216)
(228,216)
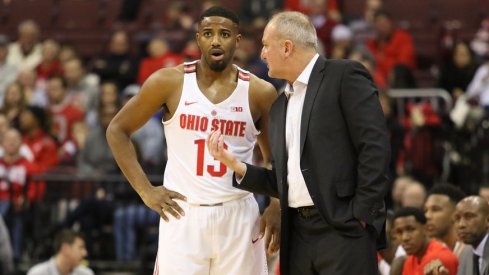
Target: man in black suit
(330,150)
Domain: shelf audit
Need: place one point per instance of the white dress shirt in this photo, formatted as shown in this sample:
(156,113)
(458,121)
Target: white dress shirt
(298,194)
(479,251)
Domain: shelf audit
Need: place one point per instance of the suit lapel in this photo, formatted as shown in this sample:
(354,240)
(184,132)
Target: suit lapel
(282,150)
(312,89)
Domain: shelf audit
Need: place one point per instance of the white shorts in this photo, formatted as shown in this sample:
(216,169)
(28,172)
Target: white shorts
(213,240)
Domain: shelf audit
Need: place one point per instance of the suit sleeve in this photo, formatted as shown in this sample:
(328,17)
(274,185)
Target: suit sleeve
(258,180)
(368,133)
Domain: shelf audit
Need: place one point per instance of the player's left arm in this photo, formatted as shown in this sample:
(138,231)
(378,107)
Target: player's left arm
(262,95)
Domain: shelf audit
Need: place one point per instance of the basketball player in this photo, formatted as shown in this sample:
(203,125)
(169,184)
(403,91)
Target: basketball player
(210,227)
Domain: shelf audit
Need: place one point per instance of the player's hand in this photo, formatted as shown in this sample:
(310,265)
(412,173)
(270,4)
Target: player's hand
(435,267)
(162,200)
(270,226)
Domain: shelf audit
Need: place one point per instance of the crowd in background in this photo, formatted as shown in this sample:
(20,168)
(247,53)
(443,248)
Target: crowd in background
(55,106)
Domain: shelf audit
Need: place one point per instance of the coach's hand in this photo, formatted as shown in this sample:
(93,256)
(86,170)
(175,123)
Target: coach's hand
(162,200)
(270,226)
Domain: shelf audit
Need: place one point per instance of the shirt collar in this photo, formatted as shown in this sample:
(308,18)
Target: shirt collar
(479,251)
(303,77)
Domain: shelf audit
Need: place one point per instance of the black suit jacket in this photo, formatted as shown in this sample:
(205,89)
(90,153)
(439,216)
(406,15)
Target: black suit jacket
(344,151)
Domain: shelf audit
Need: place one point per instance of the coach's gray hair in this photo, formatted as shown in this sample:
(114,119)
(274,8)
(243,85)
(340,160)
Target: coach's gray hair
(297,27)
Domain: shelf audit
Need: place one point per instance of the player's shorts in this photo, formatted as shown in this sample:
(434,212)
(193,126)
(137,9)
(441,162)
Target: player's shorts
(215,240)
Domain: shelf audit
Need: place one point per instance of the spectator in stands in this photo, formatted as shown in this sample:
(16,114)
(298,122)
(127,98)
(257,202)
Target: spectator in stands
(363,28)
(330,7)
(70,252)
(392,46)
(177,25)
(478,88)
(149,139)
(8,72)
(96,159)
(363,56)
(13,103)
(36,128)
(4,126)
(109,95)
(414,195)
(82,87)
(117,64)
(256,13)
(425,255)
(159,57)
(6,254)
(471,220)
(34,90)
(128,220)
(399,187)
(16,187)
(247,56)
(324,25)
(342,38)
(26,51)
(484,191)
(67,52)
(438,210)
(396,134)
(64,114)
(457,72)
(480,43)
(50,65)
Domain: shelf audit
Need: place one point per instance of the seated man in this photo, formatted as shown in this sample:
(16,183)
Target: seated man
(471,220)
(71,250)
(439,209)
(425,255)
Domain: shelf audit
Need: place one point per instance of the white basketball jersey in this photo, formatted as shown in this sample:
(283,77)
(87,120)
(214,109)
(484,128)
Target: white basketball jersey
(190,169)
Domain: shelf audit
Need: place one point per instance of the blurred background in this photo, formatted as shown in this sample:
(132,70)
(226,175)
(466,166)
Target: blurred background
(68,66)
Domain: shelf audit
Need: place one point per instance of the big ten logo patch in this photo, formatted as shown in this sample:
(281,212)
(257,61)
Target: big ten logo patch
(237,109)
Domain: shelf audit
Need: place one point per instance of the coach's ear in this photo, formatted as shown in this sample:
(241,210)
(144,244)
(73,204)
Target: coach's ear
(288,47)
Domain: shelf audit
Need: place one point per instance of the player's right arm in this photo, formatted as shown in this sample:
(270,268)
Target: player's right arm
(158,90)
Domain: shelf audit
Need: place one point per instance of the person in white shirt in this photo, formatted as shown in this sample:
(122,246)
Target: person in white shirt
(71,251)
(26,52)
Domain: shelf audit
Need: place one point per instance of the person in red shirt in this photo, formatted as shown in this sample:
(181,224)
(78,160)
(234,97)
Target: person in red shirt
(14,179)
(392,46)
(35,128)
(425,256)
(50,64)
(159,57)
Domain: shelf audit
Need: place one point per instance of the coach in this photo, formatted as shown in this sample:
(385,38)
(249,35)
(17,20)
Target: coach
(330,151)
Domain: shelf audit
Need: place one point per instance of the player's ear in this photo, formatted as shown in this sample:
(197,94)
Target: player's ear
(238,38)
(197,39)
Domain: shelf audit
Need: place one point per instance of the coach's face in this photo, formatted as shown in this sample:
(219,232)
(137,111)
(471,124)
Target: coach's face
(273,52)
(411,234)
(217,40)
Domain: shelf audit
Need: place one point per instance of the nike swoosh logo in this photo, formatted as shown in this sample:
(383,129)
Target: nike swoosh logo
(190,103)
(255,240)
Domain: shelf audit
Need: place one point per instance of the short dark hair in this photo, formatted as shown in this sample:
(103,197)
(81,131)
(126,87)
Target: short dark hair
(451,191)
(221,12)
(66,236)
(382,13)
(410,211)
